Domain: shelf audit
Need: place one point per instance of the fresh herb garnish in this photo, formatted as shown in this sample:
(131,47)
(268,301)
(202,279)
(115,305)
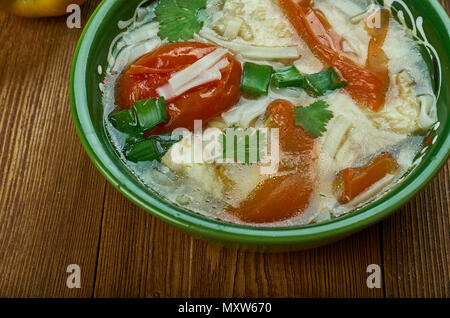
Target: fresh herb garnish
(313,118)
(180,19)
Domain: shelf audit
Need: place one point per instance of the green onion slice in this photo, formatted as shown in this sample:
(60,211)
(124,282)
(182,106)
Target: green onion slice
(150,112)
(323,82)
(124,121)
(150,149)
(134,138)
(318,84)
(146,150)
(288,77)
(256,79)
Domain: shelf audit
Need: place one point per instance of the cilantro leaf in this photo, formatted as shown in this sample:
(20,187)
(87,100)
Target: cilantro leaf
(313,118)
(180,19)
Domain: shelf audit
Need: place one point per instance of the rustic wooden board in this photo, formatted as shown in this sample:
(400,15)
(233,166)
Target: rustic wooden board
(338,270)
(56,210)
(416,244)
(51,196)
(139,255)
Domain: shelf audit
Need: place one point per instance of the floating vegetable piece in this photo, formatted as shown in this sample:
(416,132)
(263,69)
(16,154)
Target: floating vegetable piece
(150,149)
(125,121)
(150,113)
(318,84)
(288,77)
(134,138)
(145,114)
(146,150)
(256,79)
(323,82)
(354,181)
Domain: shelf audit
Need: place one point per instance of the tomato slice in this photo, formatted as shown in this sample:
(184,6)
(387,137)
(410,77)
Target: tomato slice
(356,181)
(368,83)
(289,192)
(147,74)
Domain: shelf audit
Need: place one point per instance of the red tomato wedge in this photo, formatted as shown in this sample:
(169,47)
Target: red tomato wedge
(368,83)
(356,180)
(147,74)
(289,192)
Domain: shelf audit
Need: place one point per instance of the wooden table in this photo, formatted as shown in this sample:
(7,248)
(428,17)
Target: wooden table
(56,209)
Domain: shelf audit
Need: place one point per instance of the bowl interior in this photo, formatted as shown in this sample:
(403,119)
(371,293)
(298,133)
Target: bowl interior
(92,52)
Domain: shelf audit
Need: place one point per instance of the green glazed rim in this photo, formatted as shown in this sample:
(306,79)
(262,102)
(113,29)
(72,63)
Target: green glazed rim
(239,235)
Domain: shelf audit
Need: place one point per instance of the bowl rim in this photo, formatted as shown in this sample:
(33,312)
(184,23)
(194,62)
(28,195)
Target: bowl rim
(214,229)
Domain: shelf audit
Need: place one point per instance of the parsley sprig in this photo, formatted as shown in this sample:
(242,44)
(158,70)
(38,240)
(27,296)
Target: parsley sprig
(180,19)
(313,118)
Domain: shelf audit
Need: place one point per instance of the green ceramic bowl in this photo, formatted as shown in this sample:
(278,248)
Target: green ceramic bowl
(85,97)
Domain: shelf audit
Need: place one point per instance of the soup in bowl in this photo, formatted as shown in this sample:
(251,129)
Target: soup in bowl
(281,123)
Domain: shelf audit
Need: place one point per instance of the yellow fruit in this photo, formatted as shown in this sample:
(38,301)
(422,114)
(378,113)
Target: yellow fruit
(37,8)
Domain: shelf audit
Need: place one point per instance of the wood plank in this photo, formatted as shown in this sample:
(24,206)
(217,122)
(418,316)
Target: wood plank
(50,198)
(446,5)
(140,256)
(215,270)
(416,244)
(338,270)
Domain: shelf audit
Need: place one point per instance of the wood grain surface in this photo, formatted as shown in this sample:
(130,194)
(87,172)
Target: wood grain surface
(56,210)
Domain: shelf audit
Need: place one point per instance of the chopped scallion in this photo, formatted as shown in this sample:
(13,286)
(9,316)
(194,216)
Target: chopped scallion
(146,150)
(317,84)
(256,79)
(323,82)
(288,77)
(124,121)
(150,112)
(150,149)
(134,138)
